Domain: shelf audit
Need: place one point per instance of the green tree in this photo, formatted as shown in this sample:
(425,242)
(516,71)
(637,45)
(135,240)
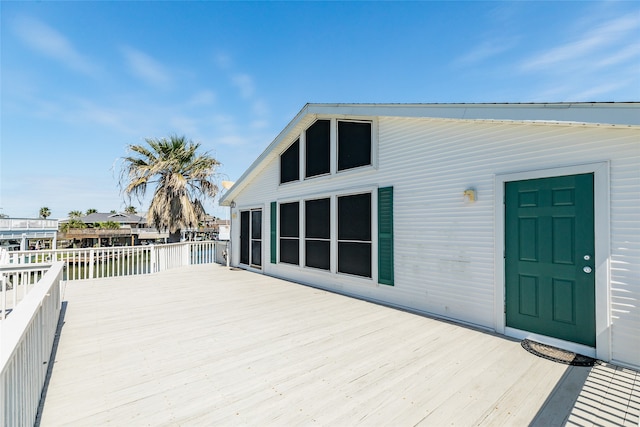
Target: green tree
(130,210)
(72,223)
(75,214)
(182,178)
(107,225)
(45,212)
(90,211)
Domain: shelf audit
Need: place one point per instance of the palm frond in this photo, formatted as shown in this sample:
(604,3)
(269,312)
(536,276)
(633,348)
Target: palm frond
(182,177)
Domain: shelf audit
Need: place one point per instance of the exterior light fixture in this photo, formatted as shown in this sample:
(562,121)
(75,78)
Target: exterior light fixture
(469,195)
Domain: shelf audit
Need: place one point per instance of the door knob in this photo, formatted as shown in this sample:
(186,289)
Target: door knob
(587,269)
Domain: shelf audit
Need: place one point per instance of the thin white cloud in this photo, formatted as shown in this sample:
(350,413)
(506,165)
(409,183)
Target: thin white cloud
(260,108)
(223,60)
(598,90)
(61,194)
(184,125)
(202,98)
(146,68)
(259,124)
(617,57)
(484,51)
(610,33)
(244,82)
(49,42)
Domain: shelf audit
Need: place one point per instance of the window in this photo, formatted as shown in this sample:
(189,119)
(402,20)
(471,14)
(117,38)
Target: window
(245,225)
(317,220)
(251,237)
(354,144)
(354,234)
(290,233)
(256,237)
(317,149)
(290,163)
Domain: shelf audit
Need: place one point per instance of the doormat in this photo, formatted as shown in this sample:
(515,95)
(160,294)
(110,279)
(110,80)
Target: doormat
(556,354)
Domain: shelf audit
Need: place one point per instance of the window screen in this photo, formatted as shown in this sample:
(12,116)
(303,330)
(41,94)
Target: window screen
(318,233)
(354,234)
(317,149)
(317,218)
(318,254)
(256,225)
(290,233)
(289,219)
(354,144)
(290,163)
(245,222)
(354,258)
(289,251)
(354,217)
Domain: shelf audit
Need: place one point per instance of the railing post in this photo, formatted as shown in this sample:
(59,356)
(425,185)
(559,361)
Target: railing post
(152,259)
(92,257)
(186,254)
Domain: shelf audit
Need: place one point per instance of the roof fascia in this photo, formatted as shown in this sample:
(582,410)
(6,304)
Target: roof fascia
(602,113)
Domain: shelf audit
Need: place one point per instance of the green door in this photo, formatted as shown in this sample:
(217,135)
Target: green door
(549,257)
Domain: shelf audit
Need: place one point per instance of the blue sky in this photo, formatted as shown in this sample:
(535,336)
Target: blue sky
(82,80)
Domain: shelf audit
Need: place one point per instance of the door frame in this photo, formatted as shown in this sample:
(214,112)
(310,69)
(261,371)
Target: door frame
(602,254)
(236,253)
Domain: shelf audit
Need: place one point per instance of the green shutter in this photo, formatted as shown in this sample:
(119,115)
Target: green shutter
(385,236)
(274,209)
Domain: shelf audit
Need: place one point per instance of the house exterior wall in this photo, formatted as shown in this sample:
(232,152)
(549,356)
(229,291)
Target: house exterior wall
(445,247)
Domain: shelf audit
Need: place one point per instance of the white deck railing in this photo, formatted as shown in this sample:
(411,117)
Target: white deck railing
(93,263)
(26,340)
(16,282)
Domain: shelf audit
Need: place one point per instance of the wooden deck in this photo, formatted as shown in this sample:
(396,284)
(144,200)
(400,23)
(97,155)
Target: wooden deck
(206,345)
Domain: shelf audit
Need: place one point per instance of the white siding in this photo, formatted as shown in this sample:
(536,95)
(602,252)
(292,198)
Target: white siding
(444,248)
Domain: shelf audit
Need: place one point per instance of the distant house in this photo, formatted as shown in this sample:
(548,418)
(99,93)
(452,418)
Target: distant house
(522,219)
(28,233)
(131,228)
(124,219)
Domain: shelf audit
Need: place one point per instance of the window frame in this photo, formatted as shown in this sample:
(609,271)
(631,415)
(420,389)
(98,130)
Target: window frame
(317,239)
(281,158)
(372,270)
(330,147)
(333,272)
(296,238)
(337,144)
(333,138)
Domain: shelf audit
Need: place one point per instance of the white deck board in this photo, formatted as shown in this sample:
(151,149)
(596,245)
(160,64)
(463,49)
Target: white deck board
(206,345)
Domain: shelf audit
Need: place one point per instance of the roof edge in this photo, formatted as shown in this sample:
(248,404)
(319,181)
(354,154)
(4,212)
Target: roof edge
(595,113)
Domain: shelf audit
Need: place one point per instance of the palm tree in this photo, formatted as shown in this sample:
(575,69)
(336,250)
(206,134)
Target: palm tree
(75,214)
(72,223)
(90,211)
(130,210)
(108,225)
(45,212)
(181,176)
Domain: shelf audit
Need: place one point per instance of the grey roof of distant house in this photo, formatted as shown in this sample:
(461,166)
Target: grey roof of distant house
(122,218)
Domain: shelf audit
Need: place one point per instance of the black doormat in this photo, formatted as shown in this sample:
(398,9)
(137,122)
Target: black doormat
(557,354)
